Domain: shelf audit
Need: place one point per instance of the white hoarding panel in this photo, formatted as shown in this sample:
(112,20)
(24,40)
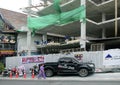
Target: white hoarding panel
(111,57)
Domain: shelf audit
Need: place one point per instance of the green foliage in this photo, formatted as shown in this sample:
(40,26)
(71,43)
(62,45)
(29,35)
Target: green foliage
(1,67)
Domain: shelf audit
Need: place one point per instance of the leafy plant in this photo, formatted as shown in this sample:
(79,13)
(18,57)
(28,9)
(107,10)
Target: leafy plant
(1,67)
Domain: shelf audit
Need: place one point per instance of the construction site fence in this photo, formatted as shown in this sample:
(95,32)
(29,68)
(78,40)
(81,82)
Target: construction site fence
(95,57)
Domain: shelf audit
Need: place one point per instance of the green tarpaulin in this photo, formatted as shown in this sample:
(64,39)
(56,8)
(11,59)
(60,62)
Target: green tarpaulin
(57,6)
(60,18)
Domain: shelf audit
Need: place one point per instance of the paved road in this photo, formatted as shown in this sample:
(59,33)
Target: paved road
(95,79)
(96,76)
(56,82)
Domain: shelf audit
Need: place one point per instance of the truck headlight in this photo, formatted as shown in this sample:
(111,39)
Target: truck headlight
(91,65)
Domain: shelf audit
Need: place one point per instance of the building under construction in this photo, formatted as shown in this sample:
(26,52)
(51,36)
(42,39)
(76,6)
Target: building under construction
(100,31)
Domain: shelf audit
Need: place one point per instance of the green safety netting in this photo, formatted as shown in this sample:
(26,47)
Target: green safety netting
(60,18)
(57,6)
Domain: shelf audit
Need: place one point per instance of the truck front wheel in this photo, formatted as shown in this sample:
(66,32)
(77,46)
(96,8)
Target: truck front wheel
(49,72)
(83,72)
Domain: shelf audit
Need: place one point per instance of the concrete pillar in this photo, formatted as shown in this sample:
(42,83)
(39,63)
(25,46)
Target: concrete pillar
(103,16)
(29,32)
(116,16)
(83,30)
(29,42)
(44,37)
(103,29)
(103,33)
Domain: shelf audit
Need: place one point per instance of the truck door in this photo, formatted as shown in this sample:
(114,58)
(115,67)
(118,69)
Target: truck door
(66,66)
(62,66)
(71,66)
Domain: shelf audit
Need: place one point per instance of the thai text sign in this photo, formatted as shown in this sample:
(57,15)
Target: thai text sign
(38,59)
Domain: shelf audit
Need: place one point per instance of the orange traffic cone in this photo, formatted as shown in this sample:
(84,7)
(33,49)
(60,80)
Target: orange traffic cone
(10,74)
(16,75)
(33,75)
(24,75)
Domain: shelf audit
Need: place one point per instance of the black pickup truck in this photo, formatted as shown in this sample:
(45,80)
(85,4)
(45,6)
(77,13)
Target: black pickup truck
(68,65)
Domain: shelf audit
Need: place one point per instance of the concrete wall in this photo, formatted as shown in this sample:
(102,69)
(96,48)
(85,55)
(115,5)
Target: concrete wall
(22,41)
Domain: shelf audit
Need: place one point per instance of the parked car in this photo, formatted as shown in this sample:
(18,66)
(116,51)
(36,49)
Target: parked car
(69,65)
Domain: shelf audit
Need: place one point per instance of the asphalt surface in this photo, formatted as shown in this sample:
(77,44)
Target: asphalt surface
(60,82)
(93,77)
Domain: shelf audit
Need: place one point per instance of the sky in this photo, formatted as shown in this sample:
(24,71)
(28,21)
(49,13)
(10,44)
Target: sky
(15,5)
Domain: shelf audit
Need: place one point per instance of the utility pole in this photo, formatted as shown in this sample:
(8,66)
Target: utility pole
(116,23)
(29,31)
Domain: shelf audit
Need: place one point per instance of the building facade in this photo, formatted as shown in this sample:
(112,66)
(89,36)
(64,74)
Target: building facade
(101,29)
(8,39)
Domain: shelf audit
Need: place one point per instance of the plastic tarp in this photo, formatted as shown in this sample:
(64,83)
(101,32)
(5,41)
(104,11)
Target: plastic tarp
(60,18)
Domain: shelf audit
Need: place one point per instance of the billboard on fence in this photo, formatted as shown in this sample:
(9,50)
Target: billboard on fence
(38,59)
(111,57)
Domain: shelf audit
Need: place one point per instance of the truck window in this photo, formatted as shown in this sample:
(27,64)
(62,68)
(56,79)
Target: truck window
(69,61)
(65,60)
(61,61)
(75,61)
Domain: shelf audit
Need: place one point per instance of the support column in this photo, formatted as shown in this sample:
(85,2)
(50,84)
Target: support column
(103,29)
(29,42)
(103,16)
(83,30)
(103,33)
(116,22)
(44,37)
(29,32)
